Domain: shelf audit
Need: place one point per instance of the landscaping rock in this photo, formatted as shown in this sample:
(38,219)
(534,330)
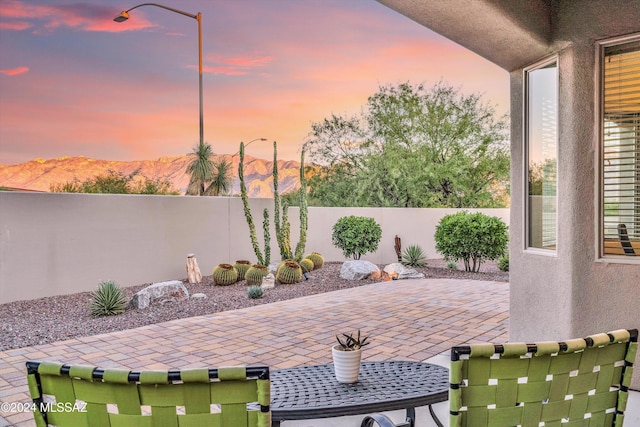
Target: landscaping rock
(400,271)
(357,270)
(163,292)
(199,295)
(268,281)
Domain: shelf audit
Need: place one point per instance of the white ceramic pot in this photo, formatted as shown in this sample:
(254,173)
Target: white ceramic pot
(346,364)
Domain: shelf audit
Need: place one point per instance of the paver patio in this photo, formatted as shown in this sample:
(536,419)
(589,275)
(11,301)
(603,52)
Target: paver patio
(407,320)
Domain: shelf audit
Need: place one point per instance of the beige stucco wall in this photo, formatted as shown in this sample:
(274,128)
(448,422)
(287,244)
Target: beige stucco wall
(57,244)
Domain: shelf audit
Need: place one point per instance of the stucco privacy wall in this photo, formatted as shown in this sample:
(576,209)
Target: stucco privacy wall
(57,244)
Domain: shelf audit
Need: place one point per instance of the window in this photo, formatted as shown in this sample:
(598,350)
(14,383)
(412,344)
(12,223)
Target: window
(620,154)
(541,147)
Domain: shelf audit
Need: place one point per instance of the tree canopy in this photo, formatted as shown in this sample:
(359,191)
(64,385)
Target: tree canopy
(117,183)
(412,146)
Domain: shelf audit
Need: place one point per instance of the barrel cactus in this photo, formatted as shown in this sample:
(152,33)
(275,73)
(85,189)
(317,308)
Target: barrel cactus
(225,274)
(306,265)
(255,273)
(289,272)
(318,260)
(242,265)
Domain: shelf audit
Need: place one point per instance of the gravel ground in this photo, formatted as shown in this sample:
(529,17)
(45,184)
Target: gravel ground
(46,320)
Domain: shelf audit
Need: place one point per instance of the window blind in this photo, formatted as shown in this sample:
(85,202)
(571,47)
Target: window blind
(621,147)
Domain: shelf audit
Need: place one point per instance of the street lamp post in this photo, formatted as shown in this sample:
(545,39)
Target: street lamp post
(124,15)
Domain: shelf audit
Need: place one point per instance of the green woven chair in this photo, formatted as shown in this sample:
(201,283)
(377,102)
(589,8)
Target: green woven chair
(580,382)
(79,396)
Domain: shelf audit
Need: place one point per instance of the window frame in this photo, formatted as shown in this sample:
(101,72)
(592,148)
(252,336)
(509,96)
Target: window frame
(599,152)
(525,144)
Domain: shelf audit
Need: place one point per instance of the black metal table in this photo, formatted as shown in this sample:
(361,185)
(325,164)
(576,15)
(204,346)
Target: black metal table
(307,392)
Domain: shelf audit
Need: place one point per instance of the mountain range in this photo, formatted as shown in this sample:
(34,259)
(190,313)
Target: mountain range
(40,174)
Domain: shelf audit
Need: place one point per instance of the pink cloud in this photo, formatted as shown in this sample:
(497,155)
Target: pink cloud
(236,65)
(18,15)
(15,71)
(14,26)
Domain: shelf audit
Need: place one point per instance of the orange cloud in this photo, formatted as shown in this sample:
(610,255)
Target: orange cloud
(15,71)
(19,15)
(237,65)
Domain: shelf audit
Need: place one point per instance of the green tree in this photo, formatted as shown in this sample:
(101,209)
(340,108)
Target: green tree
(116,183)
(412,147)
(201,169)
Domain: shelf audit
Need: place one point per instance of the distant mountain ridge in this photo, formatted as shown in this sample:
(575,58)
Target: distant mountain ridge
(40,174)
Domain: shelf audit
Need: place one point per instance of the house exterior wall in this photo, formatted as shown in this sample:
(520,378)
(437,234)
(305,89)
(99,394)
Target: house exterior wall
(57,244)
(571,293)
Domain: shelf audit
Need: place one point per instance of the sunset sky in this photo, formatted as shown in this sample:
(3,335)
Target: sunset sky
(74,82)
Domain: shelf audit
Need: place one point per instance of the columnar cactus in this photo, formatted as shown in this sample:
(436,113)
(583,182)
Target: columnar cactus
(318,260)
(225,274)
(289,273)
(255,273)
(242,265)
(247,214)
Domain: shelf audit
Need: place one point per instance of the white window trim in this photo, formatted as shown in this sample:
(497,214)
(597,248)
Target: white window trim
(599,131)
(525,156)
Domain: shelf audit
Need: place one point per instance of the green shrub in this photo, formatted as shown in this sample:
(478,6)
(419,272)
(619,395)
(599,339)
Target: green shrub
(413,256)
(503,263)
(108,299)
(452,265)
(255,292)
(356,235)
(472,238)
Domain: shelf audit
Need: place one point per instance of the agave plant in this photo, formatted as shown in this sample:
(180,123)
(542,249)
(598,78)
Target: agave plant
(413,256)
(351,343)
(108,299)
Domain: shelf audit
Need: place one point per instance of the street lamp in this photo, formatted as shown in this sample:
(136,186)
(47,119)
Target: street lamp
(249,143)
(124,15)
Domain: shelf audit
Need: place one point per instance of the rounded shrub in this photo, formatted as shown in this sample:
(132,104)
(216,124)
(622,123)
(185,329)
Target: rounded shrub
(472,238)
(503,263)
(225,274)
(356,235)
(255,273)
(289,272)
(242,265)
(108,299)
(413,256)
(318,260)
(306,265)
(255,291)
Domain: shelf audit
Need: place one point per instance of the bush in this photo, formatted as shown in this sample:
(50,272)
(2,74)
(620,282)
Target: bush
(473,238)
(413,256)
(503,263)
(255,292)
(452,265)
(108,299)
(356,235)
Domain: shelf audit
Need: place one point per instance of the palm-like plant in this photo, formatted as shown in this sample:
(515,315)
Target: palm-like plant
(221,179)
(201,169)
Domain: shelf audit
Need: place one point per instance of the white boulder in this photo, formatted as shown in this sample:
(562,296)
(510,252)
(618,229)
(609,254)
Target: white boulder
(357,269)
(162,292)
(400,271)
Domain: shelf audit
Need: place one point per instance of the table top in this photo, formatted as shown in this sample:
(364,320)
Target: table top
(307,392)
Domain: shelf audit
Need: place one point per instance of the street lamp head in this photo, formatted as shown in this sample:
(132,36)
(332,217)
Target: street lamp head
(122,17)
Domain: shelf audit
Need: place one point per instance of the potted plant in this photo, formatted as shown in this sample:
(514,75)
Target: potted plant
(346,357)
